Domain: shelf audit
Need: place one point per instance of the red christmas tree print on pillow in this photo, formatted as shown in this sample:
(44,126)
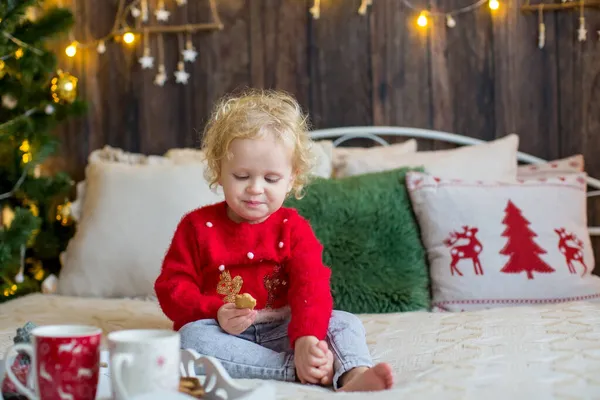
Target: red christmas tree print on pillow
(467,250)
(523,251)
(572,248)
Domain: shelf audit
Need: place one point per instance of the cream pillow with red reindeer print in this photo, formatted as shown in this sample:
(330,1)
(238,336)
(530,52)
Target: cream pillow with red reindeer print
(569,165)
(493,244)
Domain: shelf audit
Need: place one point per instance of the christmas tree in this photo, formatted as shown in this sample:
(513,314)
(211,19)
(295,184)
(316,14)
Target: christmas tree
(34,209)
(522,249)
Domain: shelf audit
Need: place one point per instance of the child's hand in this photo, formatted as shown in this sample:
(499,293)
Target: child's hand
(234,320)
(312,364)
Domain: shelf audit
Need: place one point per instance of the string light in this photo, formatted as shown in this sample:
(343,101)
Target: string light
(449,16)
(63,213)
(71,49)
(64,87)
(121,30)
(128,37)
(422,20)
(25,147)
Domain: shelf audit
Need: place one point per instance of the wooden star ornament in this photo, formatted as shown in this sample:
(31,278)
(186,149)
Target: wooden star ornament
(162,14)
(161,77)
(181,75)
(581,32)
(189,54)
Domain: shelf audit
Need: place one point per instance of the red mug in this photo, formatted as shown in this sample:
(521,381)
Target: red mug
(65,362)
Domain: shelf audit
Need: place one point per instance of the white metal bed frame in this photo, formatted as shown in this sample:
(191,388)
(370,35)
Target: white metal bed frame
(344,134)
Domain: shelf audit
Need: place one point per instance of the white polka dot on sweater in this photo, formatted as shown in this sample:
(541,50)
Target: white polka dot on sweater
(221,268)
(280,245)
(285,220)
(209,224)
(250,255)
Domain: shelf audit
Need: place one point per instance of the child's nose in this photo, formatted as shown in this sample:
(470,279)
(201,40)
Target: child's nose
(254,188)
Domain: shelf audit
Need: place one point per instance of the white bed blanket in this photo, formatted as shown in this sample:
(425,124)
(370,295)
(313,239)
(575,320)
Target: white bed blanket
(533,352)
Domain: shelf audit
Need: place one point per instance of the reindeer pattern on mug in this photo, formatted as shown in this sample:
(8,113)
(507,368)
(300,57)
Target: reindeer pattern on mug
(525,254)
(68,367)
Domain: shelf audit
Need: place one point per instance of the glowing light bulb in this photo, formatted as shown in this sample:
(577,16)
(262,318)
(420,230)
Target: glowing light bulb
(71,50)
(422,20)
(128,37)
(68,86)
(25,146)
(494,4)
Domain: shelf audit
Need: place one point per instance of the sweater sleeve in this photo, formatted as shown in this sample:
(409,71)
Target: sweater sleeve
(309,294)
(178,285)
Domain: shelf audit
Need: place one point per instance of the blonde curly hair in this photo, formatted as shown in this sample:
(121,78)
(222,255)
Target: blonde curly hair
(250,115)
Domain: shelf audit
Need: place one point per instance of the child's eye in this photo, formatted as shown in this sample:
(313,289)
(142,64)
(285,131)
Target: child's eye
(271,179)
(240,177)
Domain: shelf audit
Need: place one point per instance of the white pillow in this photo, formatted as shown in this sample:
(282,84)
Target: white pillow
(127,209)
(492,160)
(493,244)
(129,213)
(342,154)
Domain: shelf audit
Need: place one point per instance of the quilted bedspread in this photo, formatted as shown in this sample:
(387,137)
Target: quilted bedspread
(526,352)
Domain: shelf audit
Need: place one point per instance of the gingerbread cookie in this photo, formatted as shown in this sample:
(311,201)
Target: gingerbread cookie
(191,386)
(245,301)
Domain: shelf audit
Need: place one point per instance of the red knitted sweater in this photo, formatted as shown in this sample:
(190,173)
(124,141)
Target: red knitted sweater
(279,262)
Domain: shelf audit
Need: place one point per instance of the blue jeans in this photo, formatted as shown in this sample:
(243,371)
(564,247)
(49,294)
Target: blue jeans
(263,350)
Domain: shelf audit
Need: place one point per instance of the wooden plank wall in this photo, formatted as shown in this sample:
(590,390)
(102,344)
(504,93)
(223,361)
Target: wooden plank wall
(484,78)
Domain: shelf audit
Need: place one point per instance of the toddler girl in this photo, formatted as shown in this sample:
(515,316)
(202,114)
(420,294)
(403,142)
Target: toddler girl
(258,150)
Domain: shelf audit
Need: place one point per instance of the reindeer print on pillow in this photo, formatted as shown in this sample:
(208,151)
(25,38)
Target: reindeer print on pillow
(572,248)
(467,251)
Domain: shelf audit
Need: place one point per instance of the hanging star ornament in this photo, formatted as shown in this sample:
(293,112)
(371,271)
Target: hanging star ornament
(162,14)
(181,76)
(189,54)
(542,36)
(450,21)
(146,61)
(161,77)
(581,32)
(101,48)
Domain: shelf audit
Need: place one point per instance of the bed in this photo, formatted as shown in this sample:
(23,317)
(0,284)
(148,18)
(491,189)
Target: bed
(538,351)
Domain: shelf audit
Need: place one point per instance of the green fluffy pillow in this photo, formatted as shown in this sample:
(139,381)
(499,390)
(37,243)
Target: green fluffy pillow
(371,241)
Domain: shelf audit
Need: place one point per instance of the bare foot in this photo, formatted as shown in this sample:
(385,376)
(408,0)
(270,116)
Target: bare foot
(362,379)
(328,366)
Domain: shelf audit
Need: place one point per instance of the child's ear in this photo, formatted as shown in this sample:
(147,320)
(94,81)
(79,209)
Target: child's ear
(220,177)
(291,183)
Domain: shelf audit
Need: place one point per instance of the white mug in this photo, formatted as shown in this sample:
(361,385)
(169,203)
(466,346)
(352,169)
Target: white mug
(143,361)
